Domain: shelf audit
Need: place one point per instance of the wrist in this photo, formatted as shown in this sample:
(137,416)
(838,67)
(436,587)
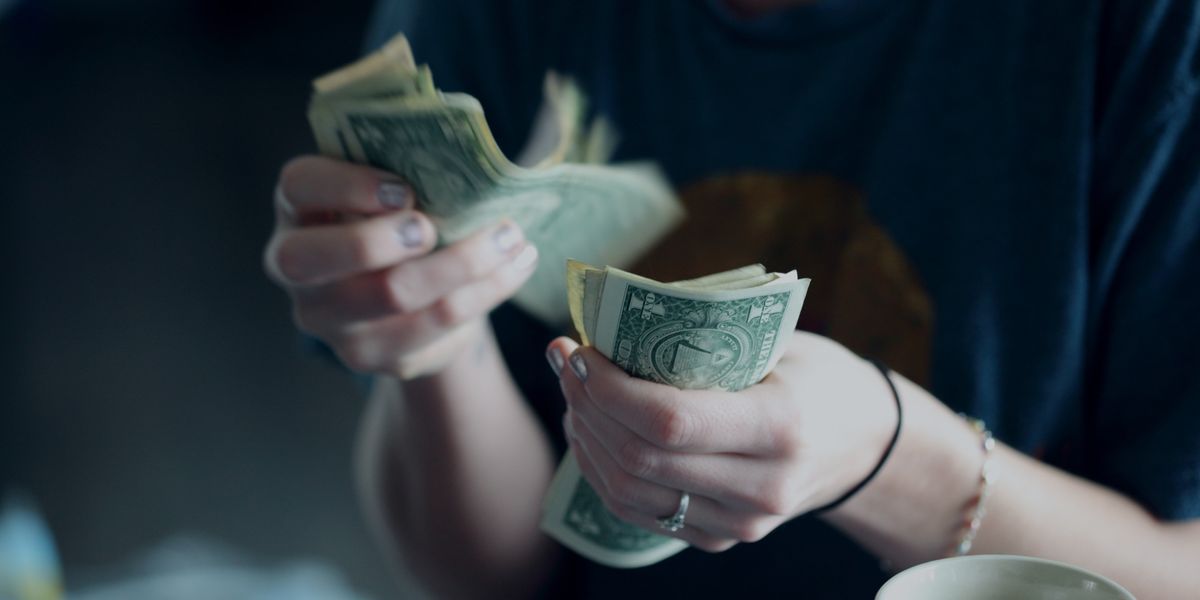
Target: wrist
(452,392)
(444,356)
(912,511)
(882,442)
(475,368)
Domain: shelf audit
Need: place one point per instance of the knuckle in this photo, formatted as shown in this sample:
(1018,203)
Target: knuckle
(637,459)
(292,171)
(622,490)
(714,546)
(449,311)
(289,259)
(774,498)
(786,438)
(303,320)
(396,290)
(752,530)
(359,248)
(672,428)
(357,357)
(465,260)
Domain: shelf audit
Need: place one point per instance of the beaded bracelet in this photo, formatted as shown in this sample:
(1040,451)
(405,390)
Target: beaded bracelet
(976,507)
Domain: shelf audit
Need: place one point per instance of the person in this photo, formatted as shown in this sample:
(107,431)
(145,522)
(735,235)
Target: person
(998,201)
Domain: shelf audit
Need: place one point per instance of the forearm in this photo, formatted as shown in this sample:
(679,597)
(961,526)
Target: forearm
(453,468)
(913,511)
(1053,514)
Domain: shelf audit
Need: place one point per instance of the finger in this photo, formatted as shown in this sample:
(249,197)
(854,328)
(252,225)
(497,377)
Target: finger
(673,419)
(308,256)
(735,480)
(642,503)
(315,185)
(693,535)
(338,305)
(742,482)
(557,352)
(376,345)
(415,284)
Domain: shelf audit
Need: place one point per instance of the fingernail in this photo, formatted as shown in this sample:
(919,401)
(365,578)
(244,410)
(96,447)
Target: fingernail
(578,366)
(394,195)
(554,357)
(526,258)
(411,232)
(506,237)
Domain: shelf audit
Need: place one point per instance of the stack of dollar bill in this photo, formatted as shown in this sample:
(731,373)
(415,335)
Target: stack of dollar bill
(724,331)
(385,111)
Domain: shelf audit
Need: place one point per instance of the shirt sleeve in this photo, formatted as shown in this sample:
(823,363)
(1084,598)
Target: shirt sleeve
(1144,321)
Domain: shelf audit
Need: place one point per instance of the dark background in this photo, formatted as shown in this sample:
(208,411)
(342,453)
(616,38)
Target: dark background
(153,383)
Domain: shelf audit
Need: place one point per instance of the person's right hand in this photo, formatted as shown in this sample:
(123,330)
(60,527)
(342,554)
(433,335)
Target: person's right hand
(358,263)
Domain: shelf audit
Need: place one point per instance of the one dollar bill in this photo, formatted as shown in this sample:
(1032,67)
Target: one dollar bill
(385,111)
(724,331)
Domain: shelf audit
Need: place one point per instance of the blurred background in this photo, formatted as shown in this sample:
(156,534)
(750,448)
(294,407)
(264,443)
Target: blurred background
(153,384)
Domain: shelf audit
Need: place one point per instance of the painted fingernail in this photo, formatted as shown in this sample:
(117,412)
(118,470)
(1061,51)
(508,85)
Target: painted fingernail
(526,258)
(411,232)
(554,357)
(394,195)
(506,237)
(578,366)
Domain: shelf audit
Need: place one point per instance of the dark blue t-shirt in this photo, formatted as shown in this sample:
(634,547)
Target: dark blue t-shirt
(1001,200)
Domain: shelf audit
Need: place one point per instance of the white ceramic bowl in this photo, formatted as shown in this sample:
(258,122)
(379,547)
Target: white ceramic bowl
(998,577)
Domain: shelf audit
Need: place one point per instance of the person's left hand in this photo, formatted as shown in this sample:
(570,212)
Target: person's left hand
(751,460)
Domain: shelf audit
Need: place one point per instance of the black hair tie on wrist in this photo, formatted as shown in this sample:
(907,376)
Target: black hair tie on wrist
(886,453)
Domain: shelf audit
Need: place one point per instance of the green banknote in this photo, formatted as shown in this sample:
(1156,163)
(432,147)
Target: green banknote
(384,111)
(724,331)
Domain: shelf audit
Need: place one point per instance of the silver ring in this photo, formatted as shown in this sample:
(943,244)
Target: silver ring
(674,522)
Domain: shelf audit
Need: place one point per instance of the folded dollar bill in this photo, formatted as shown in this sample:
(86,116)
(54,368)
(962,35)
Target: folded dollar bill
(385,111)
(724,331)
